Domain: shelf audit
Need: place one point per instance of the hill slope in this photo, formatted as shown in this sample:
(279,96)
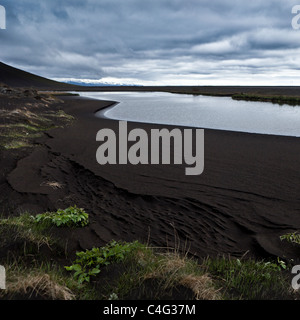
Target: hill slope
(14,77)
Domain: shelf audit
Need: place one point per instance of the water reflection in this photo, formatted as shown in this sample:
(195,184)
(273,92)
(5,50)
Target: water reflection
(221,113)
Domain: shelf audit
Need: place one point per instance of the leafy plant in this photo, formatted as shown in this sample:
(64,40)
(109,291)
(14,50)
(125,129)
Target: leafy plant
(113,296)
(89,262)
(291,237)
(69,217)
(272,266)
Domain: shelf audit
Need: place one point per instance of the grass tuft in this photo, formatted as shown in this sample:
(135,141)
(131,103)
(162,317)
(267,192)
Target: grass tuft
(249,279)
(24,233)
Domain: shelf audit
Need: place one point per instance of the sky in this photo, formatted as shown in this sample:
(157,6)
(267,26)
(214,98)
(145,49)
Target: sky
(154,42)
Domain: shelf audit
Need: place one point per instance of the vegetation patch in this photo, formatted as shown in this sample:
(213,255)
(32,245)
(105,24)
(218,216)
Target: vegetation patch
(142,273)
(60,114)
(23,235)
(90,262)
(25,115)
(16,144)
(291,237)
(69,217)
(248,279)
(35,284)
(290,100)
(177,275)
(40,281)
(127,270)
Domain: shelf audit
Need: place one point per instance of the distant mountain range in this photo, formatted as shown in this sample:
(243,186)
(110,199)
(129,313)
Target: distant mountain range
(102,84)
(17,78)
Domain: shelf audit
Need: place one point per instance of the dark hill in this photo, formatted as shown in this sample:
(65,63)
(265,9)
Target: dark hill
(14,77)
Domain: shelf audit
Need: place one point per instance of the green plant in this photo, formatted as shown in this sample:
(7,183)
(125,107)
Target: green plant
(69,217)
(291,237)
(42,279)
(272,266)
(89,262)
(247,278)
(113,296)
(39,281)
(22,230)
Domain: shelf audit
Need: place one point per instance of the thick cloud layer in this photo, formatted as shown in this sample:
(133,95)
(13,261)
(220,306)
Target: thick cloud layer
(192,42)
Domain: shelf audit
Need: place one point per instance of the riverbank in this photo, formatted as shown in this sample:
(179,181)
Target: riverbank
(244,201)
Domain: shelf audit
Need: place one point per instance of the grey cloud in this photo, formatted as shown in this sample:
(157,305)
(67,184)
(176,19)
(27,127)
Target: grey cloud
(148,40)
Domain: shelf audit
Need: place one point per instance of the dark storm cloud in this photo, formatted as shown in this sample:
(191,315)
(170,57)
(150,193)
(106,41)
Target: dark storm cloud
(169,41)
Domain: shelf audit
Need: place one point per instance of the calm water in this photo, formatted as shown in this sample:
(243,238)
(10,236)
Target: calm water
(202,111)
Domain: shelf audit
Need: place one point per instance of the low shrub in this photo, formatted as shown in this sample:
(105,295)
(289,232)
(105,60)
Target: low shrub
(70,217)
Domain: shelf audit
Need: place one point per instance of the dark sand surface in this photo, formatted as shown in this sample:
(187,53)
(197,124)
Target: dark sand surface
(248,195)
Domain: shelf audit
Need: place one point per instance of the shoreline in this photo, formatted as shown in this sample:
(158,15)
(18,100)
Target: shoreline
(246,198)
(101,114)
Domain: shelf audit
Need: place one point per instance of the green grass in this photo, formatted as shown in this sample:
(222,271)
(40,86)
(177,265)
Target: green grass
(26,126)
(17,144)
(30,233)
(152,274)
(31,262)
(149,274)
(141,272)
(129,270)
(60,115)
(24,233)
(42,280)
(248,279)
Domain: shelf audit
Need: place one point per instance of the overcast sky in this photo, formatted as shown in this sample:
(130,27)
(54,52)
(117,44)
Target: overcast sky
(153,42)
